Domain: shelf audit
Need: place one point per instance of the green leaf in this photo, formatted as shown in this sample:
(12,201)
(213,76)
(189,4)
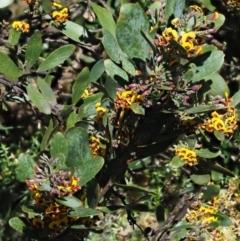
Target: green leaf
(114,71)
(208,5)
(176,162)
(32,210)
(88,109)
(58,145)
(105,18)
(128,66)
(110,86)
(26,164)
(56,57)
(34,48)
(137,109)
(8,68)
(14,36)
(207,64)
(200,179)
(46,135)
(220,136)
(47,6)
(96,71)
(236,99)
(223,220)
(174,9)
(46,91)
(84,212)
(70,201)
(75,32)
(38,99)
(72,119)
(131,23)
(217,22)
(214,85)
(89,169)
(133,188)
(92,193)
(111,46)
(139,164)
(19,224)
(216,167)
(210,192)
(199,109)
(78,147)
(206,153)
(77,228)
(80,85)
(216,176)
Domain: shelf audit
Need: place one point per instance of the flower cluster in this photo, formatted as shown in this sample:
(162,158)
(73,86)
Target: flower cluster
(187,155)
(226,203)
(96,147)
(190,32)
(61,15)
(54,215)
(21,26)
(225,122)
(125,98)
(186,39)
(202,214)
(100,111)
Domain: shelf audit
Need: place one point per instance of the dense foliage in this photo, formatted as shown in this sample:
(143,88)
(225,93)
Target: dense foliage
(119,120)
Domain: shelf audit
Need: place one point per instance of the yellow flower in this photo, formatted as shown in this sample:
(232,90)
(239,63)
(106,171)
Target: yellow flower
(225,123)
(187,36)
(188,46)
(38,222)
(170,34)
(57,5)
(21,26)
(196,8)
(127,97)
(187,155)
(59,223)
(86,93)
(176,22)
(60,16)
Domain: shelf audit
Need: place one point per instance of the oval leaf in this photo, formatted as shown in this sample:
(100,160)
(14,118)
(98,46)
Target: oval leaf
(38,100)
(114,71)
(8,68)
(47,91)
(210,192)
(78,148)
(131,22)
(105,18)
(84,212)
(96,71)
(70,201)
(80,85)
(26,164)
(200,179)
(207,64)
(205,153)
(75,32)
(89,169)
(34,48)
(58,145)
(176,162)
(19,224)
(14,36)
(57,57)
